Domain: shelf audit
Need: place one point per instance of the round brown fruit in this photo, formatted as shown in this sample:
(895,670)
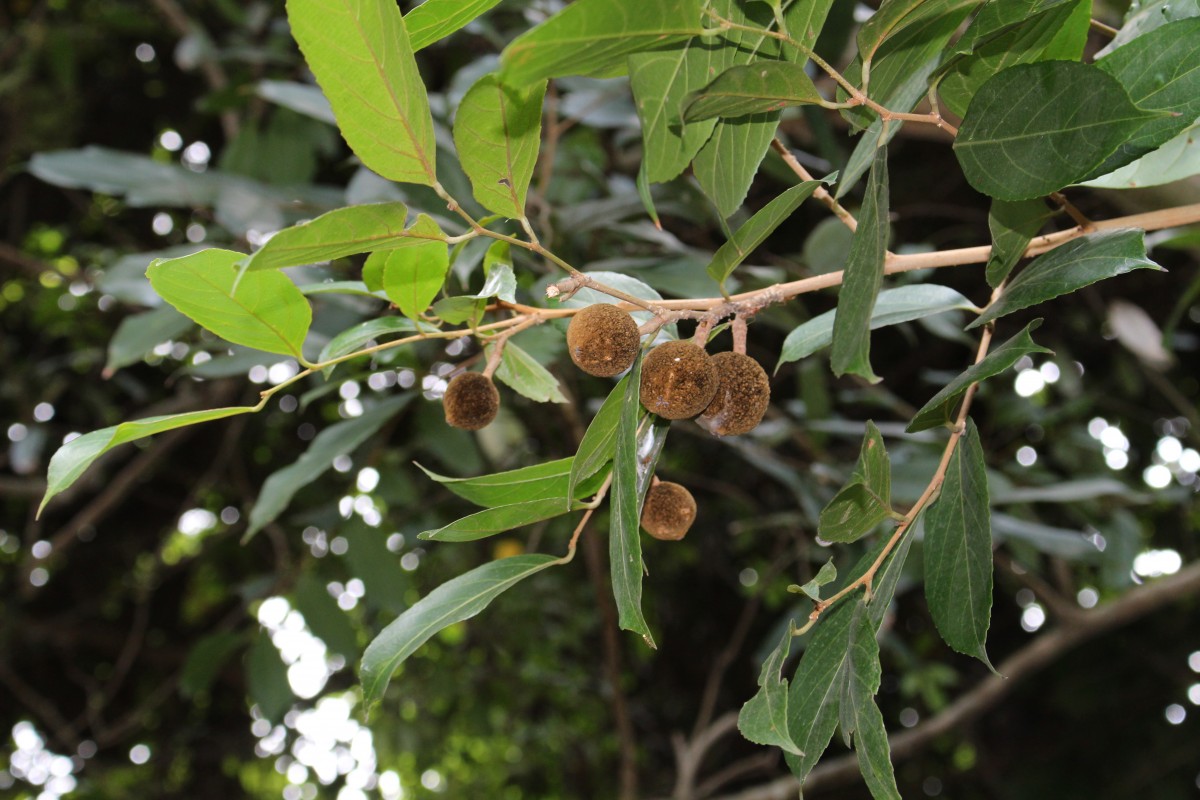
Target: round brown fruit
(602,340)
(678,380)
(743,394)
(668,512)
(471,401)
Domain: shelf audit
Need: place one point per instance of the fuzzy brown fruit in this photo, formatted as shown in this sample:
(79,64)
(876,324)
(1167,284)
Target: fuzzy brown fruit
(471,401)
(743,394)
(603,340)
(678,380)
(668,512)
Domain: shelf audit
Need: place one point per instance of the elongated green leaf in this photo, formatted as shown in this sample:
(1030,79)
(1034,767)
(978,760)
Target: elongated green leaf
(338,439)
(591,35)
(858,715)
(266,679)
(1071,491)
(958,551)
(141,180)
(525,374)
(660,80)
(1000,16)
(726,165)
(491,521)
(1072,117)
(324,616)
(361,56)
(70,460)
(863,277)
(358,288)
(303,98)
(764,718)
(1161,72)
(756,230)
(497,130)
(437,19)
(1072,545)
(1013,224)
(263,310)
(414,271)
(538,482)
(599,441)
(891,18)
(894,306)
(1174,161)
(1078,263)
(344,232)
(624,536)
(137,335)
(940,410)
(814,695)
(361,334)
(1022,41)
(454,601)
(866,499)
(805,19)
(750,89)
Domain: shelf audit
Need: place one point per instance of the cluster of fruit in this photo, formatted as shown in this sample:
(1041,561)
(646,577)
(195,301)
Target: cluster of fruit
(727,393)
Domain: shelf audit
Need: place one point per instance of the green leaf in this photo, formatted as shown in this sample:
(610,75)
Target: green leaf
(538,482)
(865,500)
(1148,16)
(958,551)
(267,680)
(205,661)
(826,574)
(940,410)
(728,162)
(524,374)
(1000,16)
(599,441)
(454,601)
(1013,224)
(1078,263)
(624,536)
(303,98)
(358,229)
(491,521)
(862,279)
(368,558)
(858,715)
(589,36)
(894,306)
(352,339)
(340,287)
(338,439)
(361,56)
(1174,161)
(1072,117)
(69,462)
(1161,72)
(141,180)
(497,130)
(750,89)
(660,80)
(756,230)
(1018,41)
(814,695)
(138,334)
(436,19)
(764,718)
(324,616)
(263,310)
(805,19)
(1061,542)
(500,281)
(414,271)
(892,17)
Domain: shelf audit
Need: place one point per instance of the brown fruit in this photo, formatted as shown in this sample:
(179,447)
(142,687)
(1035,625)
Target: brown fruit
(743,394)
(668,512)
(678,380)
(603,340)
(471,401)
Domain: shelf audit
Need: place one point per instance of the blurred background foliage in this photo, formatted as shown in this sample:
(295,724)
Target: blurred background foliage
(145,652)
